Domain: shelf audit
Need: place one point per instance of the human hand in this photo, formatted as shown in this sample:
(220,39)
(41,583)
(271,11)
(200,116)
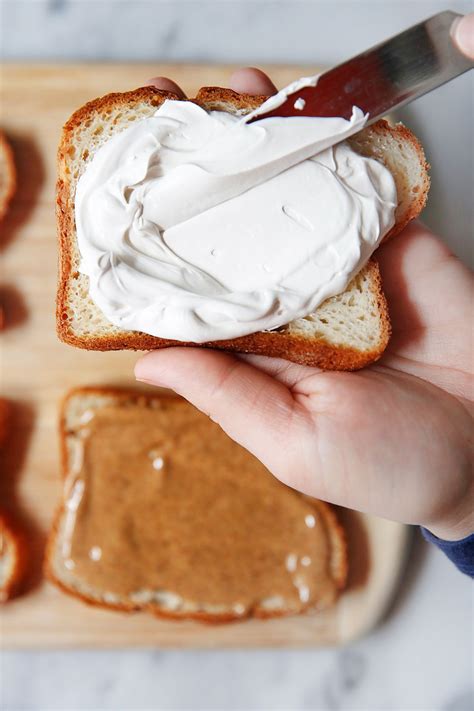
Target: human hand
(393,439)
(463,34)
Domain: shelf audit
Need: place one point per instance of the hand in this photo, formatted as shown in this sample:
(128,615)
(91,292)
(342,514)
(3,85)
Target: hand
(393,439)
(463,34)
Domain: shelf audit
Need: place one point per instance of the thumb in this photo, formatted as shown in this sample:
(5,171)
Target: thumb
(253,408)
(463,34)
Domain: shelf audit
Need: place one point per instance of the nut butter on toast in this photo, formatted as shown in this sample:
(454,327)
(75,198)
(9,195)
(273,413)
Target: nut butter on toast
(163,512)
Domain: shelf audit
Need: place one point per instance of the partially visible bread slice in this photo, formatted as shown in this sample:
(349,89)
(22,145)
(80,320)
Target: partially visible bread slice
(212,499)
(346,332)
(12,541)
(4,420)
(7,174)
(12,557)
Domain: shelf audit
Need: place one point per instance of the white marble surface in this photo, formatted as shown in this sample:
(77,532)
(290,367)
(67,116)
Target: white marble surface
(421,657)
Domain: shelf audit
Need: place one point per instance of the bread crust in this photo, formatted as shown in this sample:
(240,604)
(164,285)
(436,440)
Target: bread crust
(339,561)
(404,135)
(5,415)
(9,525)
(318,353)
(8,180)
(19,553)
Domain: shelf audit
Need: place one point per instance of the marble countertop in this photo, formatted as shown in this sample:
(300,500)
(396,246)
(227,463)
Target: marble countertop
(421,656)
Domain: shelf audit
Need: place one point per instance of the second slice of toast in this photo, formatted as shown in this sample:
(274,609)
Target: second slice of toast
(163,512)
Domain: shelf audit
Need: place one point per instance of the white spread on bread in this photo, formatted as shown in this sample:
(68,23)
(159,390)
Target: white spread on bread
(273,102)
(198,226)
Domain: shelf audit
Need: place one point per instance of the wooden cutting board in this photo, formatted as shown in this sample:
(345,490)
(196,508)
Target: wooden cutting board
(37,370)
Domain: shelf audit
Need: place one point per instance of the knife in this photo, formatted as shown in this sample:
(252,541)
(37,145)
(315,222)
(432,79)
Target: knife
(383,78)
(376,81)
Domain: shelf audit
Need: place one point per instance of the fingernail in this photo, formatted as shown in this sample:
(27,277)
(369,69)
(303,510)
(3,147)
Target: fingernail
(147,382)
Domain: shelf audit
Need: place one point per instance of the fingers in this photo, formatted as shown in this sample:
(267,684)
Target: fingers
(414,251)
(405,264)
(252,81)
(463,35)
(245,81)
(252,407)
(166,84)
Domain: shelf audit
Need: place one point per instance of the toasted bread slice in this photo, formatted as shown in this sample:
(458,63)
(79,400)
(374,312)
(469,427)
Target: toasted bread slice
(346,332)
(12,543)
(12,557)
(4,420)
(7,174)
(163,512)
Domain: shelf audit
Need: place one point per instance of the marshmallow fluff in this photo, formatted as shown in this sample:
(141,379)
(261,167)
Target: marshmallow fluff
(198,226)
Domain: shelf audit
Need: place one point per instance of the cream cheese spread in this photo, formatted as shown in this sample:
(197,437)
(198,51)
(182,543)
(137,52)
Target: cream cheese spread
(197,226)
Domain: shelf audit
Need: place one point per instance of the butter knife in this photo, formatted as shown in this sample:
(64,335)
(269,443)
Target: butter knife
(383,78)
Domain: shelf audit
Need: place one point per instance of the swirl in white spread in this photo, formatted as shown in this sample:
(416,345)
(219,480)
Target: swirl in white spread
(196,226)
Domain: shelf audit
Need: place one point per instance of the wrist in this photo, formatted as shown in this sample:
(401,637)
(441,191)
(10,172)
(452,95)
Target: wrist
(454,530)
(455,520)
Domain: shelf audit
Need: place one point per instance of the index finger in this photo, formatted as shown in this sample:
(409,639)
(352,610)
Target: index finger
(250,80)
(166,85)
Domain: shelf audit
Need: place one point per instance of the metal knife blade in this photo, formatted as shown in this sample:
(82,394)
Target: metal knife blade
(386,77)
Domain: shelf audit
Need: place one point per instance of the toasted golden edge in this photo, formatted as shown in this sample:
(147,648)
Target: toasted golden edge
(124,396)
(404,135)
(318,353)
(10,177)
(19,551)
(5,415)
(9,525)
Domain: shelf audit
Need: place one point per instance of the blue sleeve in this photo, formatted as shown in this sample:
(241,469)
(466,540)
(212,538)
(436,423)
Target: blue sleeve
(461,553)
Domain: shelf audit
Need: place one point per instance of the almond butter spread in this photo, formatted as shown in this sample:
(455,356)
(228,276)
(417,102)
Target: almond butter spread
(162,506)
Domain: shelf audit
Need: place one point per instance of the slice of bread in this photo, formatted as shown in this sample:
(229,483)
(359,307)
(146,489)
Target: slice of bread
(12,541)
(12,557)
(346,332)
(5,415)
(7,174)
(176,519)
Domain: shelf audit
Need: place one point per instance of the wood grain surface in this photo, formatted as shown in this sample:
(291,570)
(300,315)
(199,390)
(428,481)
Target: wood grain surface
(37,370)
